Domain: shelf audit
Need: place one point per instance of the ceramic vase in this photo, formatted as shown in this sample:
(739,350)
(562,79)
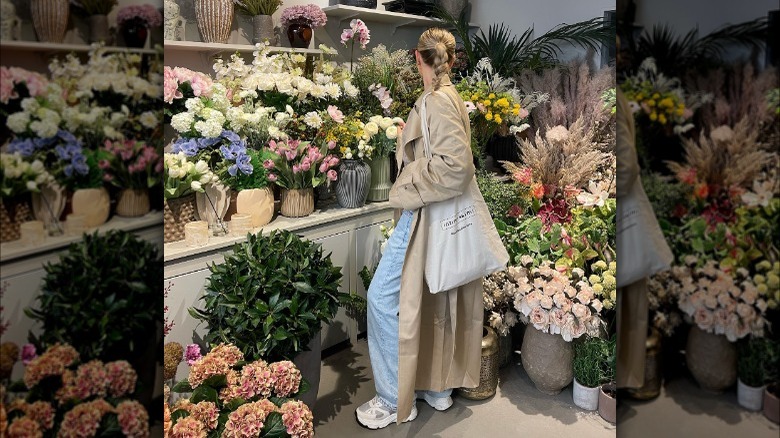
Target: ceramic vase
(98,28)
(299,34)
(608,403)
(263,29)
(50,19)
(379,189)
(215,19)
(93,204)
(258,203)
(135,34)
(354,181)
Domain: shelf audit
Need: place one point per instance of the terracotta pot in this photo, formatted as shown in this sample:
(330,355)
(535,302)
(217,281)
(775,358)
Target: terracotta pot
(651,388)
(212,205)
(297,203)
(299,34)
(215,19)
(13,211)
(547,359)
(712,360)
(772,403)
(259,203)
(133,203)
(50,19)
(750,397)
(176,213)
(263,29)
(379,190)
(608,403)
(488,371)
(93,204)
(585,397)
(47,207)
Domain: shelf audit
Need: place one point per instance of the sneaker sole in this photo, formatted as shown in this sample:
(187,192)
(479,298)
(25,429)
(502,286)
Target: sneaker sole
(386,422)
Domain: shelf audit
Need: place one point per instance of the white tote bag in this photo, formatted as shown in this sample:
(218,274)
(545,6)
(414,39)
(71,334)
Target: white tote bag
(641,246)
(463,243)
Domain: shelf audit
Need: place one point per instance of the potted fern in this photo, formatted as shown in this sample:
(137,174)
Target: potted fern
(262,22)
(589,356)
(270,297)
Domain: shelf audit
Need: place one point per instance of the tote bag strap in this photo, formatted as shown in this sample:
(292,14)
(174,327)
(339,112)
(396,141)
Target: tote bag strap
(424,125)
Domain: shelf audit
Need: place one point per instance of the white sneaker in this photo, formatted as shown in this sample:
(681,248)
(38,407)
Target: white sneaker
(375,415)
(438,403)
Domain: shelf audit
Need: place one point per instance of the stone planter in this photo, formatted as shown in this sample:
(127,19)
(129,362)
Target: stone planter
(651,388)
(93,204)
(712,360)
(297,203)
(262,29)
(586,397)
(379,190)
(772,403)
(750,397)
(354,180)
(50,19)
(47,207)
(133,203)
(98,28)
(608,403)
(548,360)
(259,203)
(310,363)
(174,24)
(176,213)
(215,19)
(212,206)
(488,370)
(13,211)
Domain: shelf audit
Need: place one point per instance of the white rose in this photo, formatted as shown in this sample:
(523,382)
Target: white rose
(32,185)
(377,120)
(372,128)
(201,167)
(385,122)
(392,133)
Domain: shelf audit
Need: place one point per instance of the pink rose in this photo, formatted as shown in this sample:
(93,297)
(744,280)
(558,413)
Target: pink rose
(28,353)
(711,302)
(749,296)
(746,312)
(539,318)
(268,164)
(559,299)
(532,299)
(557,319)
(704,319)
(336,115)
(570,290)
(523,113)
(580,310)
(546,302)
(597,305)
(585,296)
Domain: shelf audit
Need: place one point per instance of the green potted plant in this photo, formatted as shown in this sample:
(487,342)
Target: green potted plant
(608,392)
(772,391)
(262,22)
(102,297)
(270,297)
(756,358)
(589,355)
(97,11)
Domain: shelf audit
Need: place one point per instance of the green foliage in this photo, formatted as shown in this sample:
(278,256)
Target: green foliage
(270,296)
(499,196)
(528,238)
(93,179)
(757,361)
(664,193)
(609,366)
(102,297)
(591,361)
(94,7)
(257,7)
(610,100)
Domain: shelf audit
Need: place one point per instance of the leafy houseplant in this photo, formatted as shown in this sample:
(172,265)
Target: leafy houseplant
(499,195)
(270,296)
(107,285)
(590,357)
(757,361)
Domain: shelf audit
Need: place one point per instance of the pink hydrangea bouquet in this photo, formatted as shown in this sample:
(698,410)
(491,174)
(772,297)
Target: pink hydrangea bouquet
(719,299)
(555,302)
(146,15)
(300,164)
(310,14)
(253,398)
(180,84)
(69,400)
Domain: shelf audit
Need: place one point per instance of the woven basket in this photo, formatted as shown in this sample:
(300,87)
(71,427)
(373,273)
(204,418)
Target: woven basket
(176,213)
(12,213)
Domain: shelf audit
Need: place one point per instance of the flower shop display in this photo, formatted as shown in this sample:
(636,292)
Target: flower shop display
(70,396)
(215,19)
(384,143)
(261,12)
(182,180)
(756,367)
(300,21)
(97,12)
(388,83)
(295,291)
(133,167)
(135,21)
(18,178)
(232,397)
(591,357)
(50,19)
(488,369)
(499,312)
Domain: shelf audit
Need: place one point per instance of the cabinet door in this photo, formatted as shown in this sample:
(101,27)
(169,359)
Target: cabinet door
(367,254)
(342,326)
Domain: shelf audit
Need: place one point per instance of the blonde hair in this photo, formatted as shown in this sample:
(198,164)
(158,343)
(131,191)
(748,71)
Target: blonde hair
(437,49)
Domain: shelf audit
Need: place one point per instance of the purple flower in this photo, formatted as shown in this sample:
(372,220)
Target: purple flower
(28,353)
(192,354)
(147,14)
(309,14)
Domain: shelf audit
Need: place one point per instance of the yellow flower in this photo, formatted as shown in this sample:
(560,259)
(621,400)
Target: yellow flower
(503,102)
(680,105)
(656,95)
(489,116)
(640,96)
(492,96)
(475,97)
(497,119)
(653,116)
(516,111)
(667,102)
(486,102)
(651,103)
(662,119)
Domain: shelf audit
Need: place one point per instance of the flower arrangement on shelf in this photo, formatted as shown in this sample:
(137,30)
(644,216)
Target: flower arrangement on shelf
(139,15)
(131,164)
(300,164)
(66,397)
(311,15)
(253,8)
(183,177)
(231,397)
(19,176)
(181,84)
(385,140)
(351,137)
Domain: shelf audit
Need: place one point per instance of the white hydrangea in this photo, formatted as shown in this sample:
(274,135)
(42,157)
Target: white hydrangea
(17,122)
(182,122)
(43,129)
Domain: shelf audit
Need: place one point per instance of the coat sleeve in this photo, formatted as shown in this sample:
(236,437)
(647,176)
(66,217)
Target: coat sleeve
(628,164)
(451,167)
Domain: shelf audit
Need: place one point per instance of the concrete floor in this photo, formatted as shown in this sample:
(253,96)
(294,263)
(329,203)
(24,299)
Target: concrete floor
(685,410)
(518,408)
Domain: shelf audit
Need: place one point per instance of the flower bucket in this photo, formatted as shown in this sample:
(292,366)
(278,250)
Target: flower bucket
(13,211)
(133,203)
(488,370)
(98,29)
(215,19)
(380,180)
(547,359)
(585,397)
(297,203)
(93,204)
(750,397)
(354,181)
(712,360)
(608,403)
(176,213)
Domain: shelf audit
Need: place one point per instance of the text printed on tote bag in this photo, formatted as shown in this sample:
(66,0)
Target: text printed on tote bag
(459,221)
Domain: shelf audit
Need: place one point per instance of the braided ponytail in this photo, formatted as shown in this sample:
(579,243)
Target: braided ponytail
(437,49)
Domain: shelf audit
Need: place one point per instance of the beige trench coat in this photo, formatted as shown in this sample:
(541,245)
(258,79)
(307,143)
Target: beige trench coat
(439,335)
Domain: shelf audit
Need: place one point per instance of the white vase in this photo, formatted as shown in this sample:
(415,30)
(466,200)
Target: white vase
(259,203)
(10,24)
(212,205)
(93,204)
(173,27)
(585,397)
(48,206)
(750,397)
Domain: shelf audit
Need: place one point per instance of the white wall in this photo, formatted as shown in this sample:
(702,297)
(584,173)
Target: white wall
(708,15)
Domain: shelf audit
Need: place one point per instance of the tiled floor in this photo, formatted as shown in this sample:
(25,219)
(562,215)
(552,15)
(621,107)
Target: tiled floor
(517,410)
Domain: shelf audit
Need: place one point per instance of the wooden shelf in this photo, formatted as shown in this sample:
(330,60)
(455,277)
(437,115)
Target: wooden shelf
(396,19)
(213,49)
(36,46)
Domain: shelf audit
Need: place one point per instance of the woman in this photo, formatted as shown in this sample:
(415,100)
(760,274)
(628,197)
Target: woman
(418,340)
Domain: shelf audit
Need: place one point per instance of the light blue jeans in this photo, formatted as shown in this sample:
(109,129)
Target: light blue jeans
(383,307)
